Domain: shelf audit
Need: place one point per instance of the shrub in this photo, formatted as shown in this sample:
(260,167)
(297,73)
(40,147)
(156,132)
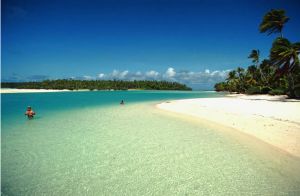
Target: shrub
(277,91)
(265,90)
(222,86)
(253,90)
(297,91)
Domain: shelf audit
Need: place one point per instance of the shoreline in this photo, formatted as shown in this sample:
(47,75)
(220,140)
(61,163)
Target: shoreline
(274,120)
(13,90)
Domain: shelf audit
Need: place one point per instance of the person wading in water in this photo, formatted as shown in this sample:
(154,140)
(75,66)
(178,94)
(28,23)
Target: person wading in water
(29,112)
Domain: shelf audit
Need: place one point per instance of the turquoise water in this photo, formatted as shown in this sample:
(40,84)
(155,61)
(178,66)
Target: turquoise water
(85,143)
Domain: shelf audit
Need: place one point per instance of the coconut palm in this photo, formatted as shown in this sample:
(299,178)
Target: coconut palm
(254,55)
(241,86)
(273,22)
(240,71)
(267,70)
(232,81)
(252,69)
(285,57)
(265,66)
(251,77)
(231,75)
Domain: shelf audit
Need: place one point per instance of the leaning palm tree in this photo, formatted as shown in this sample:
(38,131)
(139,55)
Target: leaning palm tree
(285,57)
(273,22)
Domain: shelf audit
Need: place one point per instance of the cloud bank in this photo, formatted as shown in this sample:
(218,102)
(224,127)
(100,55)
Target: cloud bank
(204,80)
(197,80)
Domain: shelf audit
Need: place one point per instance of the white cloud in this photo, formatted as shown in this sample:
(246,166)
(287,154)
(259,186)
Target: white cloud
(123,74)
(119,75)
(101,75)
(170,72)
(152,74)
(138,73)
(87,77)
(115,73)
(202,79)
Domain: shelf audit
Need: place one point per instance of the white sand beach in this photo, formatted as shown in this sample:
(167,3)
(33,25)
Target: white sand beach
(272,119)
(14,90)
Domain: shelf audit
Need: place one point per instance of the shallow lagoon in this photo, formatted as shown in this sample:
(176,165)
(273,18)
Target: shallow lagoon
(85,143)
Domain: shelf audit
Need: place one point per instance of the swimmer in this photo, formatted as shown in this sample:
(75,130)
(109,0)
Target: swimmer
(29,112)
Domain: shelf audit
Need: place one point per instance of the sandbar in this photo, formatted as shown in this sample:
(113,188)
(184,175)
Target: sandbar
(273,119)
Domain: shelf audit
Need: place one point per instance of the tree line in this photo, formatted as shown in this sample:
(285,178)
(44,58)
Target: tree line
(280,74)
(97,85)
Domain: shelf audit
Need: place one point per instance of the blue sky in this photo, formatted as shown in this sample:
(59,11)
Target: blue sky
(195,42)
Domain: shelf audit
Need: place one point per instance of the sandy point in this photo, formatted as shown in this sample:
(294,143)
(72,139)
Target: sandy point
(273,119)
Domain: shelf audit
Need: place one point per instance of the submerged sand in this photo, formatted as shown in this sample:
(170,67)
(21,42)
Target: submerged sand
(272,119)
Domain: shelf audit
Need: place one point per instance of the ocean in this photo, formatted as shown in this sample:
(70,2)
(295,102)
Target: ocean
(86,143)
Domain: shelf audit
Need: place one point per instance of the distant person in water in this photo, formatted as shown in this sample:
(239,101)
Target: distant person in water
(29,112)
(122,102)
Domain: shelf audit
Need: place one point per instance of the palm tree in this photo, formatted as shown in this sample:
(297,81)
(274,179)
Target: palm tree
(267,70)
(285,57)
(252,69)
(251,77)
(241,79)
(231,75)
(232,81)
(240,71)
(254,56)
(273,22)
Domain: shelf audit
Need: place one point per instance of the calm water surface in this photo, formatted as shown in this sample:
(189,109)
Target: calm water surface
(85,143)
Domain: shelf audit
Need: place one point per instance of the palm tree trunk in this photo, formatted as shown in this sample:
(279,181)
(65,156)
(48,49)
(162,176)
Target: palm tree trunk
(281,35)
(291,86)
(263,77)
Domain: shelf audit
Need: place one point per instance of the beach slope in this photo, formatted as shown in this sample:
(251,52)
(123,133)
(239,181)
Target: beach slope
(272,119)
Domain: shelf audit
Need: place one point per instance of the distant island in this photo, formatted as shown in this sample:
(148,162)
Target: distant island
(97,85)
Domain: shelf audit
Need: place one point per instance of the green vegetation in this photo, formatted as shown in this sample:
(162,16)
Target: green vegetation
(278,75)
(273,22)
(97,85)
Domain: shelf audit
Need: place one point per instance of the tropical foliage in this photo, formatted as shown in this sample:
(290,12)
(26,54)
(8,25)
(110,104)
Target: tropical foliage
(273,22)
(97,85)
(278,75)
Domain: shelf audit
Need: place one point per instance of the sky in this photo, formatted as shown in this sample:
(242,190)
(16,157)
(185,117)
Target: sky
(195,42)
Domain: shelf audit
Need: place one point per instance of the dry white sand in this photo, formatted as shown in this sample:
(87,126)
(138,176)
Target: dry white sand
(272,119)
(14,90)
